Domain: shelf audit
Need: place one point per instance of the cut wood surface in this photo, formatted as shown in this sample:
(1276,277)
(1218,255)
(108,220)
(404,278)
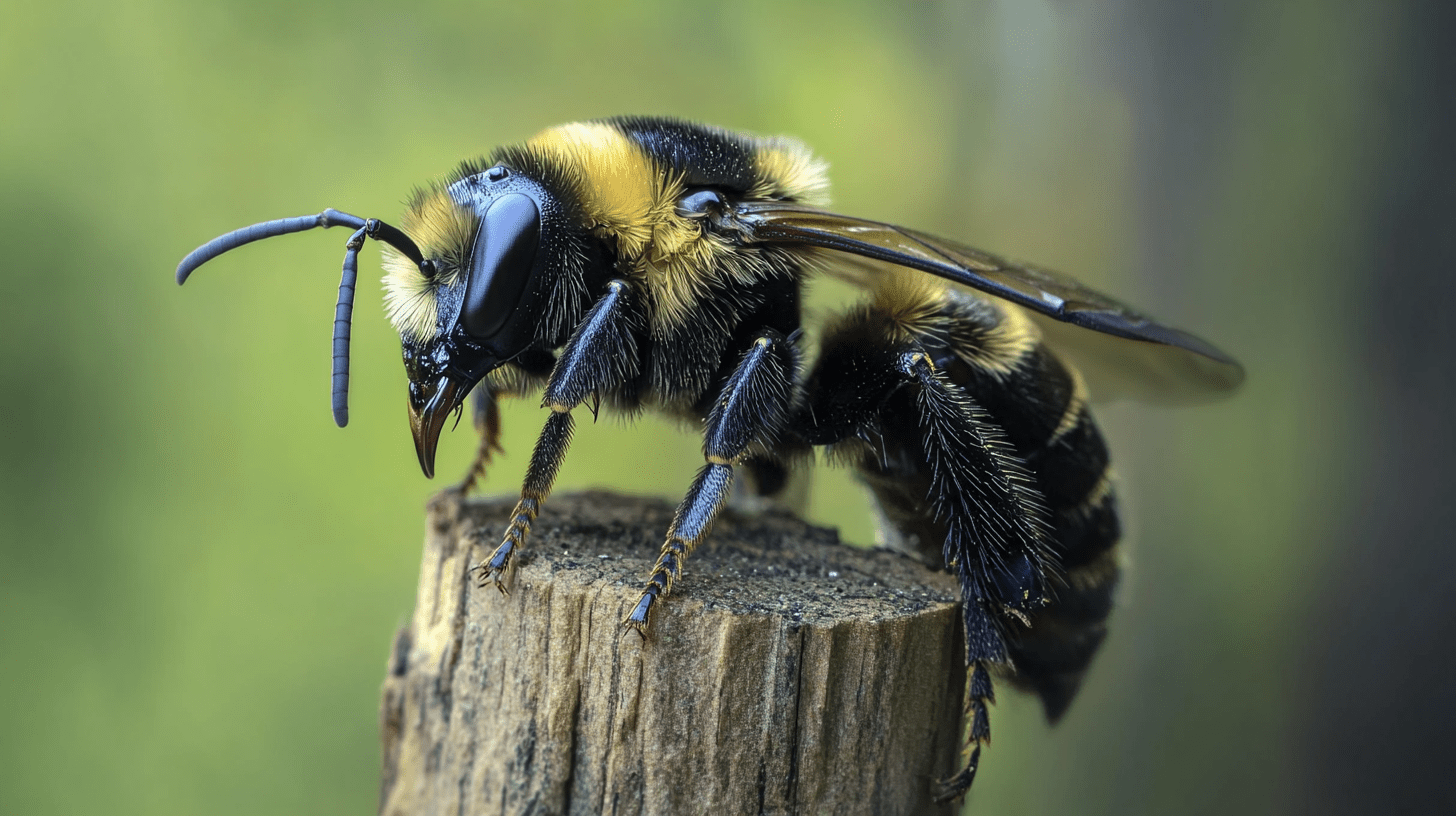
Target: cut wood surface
(785,674)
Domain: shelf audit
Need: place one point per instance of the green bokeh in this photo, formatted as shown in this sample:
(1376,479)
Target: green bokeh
(200,575)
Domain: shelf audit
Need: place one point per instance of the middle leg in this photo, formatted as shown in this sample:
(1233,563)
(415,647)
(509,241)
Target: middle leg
(752,407)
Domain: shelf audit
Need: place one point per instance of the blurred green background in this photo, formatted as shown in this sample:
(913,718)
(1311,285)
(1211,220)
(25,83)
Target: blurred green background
(200,575)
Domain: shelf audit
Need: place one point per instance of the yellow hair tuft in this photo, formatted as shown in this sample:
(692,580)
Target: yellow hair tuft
(788,169)
(444,232)
(622,192)
(916,304)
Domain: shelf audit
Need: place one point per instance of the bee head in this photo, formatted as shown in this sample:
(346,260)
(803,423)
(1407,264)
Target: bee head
(477,300)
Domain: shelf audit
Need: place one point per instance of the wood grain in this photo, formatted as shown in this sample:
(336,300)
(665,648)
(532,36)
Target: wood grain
(785,674)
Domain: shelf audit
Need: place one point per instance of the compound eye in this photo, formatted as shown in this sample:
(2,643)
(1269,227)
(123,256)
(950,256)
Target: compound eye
(700,203)
(501,264)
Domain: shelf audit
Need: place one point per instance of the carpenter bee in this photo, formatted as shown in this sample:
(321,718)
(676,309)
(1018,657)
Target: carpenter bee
(651,263)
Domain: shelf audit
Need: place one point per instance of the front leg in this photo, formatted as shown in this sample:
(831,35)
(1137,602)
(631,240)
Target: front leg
(600,356)
(752,406)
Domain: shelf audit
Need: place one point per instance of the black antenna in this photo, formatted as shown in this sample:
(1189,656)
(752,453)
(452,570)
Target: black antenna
(343,319)
(344,309)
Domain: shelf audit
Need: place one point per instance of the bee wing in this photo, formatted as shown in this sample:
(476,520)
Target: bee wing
(1126,353)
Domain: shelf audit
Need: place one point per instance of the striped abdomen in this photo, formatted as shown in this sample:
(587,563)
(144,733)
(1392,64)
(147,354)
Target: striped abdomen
(859,402)
(1042,406)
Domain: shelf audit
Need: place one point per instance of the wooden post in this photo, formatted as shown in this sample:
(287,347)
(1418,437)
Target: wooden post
(785,674)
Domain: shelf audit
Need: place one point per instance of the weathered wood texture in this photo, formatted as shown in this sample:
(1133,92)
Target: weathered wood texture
(785,674)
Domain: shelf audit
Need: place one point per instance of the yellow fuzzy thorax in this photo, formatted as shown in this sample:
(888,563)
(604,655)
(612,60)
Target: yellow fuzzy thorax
(629,196)
(625,195)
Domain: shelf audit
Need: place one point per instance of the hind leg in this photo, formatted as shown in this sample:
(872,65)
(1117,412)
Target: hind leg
(957,494)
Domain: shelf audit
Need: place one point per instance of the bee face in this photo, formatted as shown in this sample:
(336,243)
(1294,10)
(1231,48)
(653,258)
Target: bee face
(477,310)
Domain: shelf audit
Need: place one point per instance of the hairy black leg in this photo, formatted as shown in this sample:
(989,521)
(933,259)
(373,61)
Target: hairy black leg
(996,534)
(601,354)
(546,460)
(979,694)
(689,526)
(946,477)
(751,407)
(981,490)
